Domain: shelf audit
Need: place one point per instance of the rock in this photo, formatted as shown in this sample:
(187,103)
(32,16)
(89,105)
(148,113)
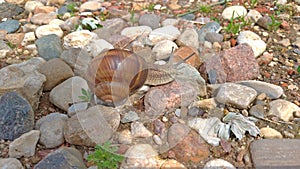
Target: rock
(170,21)
(281,2)
(285,42)
(189,17)
(25,79)
(253,15)
(25,145)
(44,9)
(31,5)
(29,38)
(234,12)
(16,116)
(139,130)
(8,10)
(51,128)
(258,46)
(93,126)
(68,92)
(48,30)
(95,47)
(125,137)
(135,31)
(164,33)
(265,59)
(257,111)
(130,117)
(236,95)
(76,108)
(283,109)
(10,26)
(43,18)
(12,163)
(185,51)
(218,164)
(62,158)
(55,2)
(90,6)
(264,22)
(49,46)
(186,144)
(114,26)
(70,24)
(140,156)
(171,163)
(151,20)
(78,39)
(266,153)
(56,71)
(271,90)
(232,65)
(163,49)
(214,37)
(270,133)
(4,49)
(157,140)
(15,38)
(188,38)
(206,104)
(209,27)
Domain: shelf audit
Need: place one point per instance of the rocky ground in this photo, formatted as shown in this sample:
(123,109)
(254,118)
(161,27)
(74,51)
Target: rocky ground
(234,103)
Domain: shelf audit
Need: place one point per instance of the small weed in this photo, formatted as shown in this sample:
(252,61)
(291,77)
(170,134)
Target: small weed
(253,3)
(12,46)
(236,24)
(105,156)
(274,25)
(284,8)
(298,69)
(71,7)
(132,16)
(86,95)
(205,8)
(151,7)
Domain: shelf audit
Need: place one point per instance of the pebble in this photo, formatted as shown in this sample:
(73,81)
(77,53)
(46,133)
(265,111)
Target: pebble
(164,33)
(9,10)
(10,26)
(265,59)
(258,46)
(234,12)
(51,128)
(214,37)
(49,29)
(270,133)
(157,140)
(25,145)
(163,49)
(283,109)
(151,20)
(257,111)
(218,164)
(90,6)
(139,130)
(76,108)
(135,31)
(130,117)
(189,37)
(171,163)
(253,15)
(78,39)
(4,49)
(43,18)
(264,22)
(170,21)
(285,42)
(49,46)
(125,137)
(31,5)
(209,27)
(95,47)
(12,163)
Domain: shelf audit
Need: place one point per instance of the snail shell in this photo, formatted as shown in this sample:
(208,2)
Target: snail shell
(115,74)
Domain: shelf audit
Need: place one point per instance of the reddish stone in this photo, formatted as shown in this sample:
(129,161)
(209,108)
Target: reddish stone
(265,59)
(44,9)
(184,52)
(267,74)
(233,42)
(263,10)
(284,84)
(285,25)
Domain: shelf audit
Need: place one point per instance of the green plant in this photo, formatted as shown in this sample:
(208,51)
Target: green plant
(205,8)
(274,25)
(86,95)
(236,24)
(71,7)
(253,3)
(11,45)
(298,69)
(132,16)
(105,156)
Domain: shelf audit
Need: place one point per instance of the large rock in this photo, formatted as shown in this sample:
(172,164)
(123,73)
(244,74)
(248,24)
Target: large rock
(10,26)
(13,163)
(63,158)
(25,79)
(51,128)
(8,10)
(49,46)
(24,145)
(16,116)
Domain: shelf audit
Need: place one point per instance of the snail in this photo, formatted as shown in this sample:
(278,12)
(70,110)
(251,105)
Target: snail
(115,74)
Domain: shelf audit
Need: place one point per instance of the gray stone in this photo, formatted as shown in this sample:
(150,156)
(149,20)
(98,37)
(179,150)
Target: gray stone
(283,109)
(214,37)
(134,31)
(49,46)
(188,38)
(13,163)
(56,71)
(130,117)
(10,26)
(271,90)
(77,107)
(257,111)
(151,20)
(264,21)
(209,27)
(68,92)
(63,158)
(164,33)
(24,145)
(110,27)
(8,10)
(236,95)
(275,153)
(16,116)
(51,128)
(4,49)
(95,47)
(234,12)
(189,17)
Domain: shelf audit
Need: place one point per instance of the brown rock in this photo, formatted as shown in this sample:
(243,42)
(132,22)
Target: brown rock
(3,34)
(264,22)
(43,18)
(169,164)
(15,38)
(44,9)
(265,59)
(184,52)
(90,6)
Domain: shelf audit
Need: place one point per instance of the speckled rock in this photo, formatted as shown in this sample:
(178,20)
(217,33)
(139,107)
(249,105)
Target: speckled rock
(10,26)
(164,33)
(283,109)
(188,38)
(48,29)
(234,12)
(49,46)
(171,163)
(151,20)
(258,46)
(78,39)
(8,10)
(10,163)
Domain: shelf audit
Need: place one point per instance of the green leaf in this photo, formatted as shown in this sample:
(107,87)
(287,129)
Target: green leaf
(298,70)
(83,91)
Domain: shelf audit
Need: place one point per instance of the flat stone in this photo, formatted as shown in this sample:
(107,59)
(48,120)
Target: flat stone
(16,116)
(25,145)
(56,71)
(275,153)
(164,33)
(270,133)
(234,12)
(218,164)
(31,5)
(48,30)
(258,46)
(43,18)
(76,108)
(62,158)
(49,46)
(163,49)
(151,20)
(188,38)
(78,39)
(214,37)
(257,111)
(10,163)
(95,47)
(135,31)
(236,95)
(8,10)
(10,26)
(130,117)
(90,6)
(264,22)
(283,109)
(139,130)
(51,128)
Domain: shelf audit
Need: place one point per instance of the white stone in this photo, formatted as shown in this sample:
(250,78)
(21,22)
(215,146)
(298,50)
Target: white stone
(270,133)
(170,21)
(164,33)
(283,109)
(10,163)
(95,47)
(135,31)
(125,137)
(24,145)
(29,37)
(188,38)
(79,39)
(31,5)
(56,22)
(218,164)
(47,30)
(258,46)
(163,49)
(139,130)
(234,11)
(253,15)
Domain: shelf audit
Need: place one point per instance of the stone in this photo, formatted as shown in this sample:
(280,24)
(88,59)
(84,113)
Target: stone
(68,92)
(218,163)
(283,109)
(125,137)
(95,47)
(10,26)
(93,126)
(10,163)
(62,158)
(265,59)
(206,104)
(274,153)
(271,90)
(214,37)
(258,46)
(171,163)
(253,15)
(44,9)
(114,26)
(70,24)
(43,18)
(55,2)
(49,46)
(136,31)
(90,6)
(139,130)
(77,107)
(188,38)
(56,71)
(232,65)
(25,79)
(209,27)
(185,51)
(25,145)
(51,128)
(29,38)
(19,2)
(16,116)
(151,20)
(270,133)
(4,49)
(186,144)
(264,22)
(15,38)
(164,33)
(170,21)
(130,117)
(78,39)
(31,5)
(8,10)
(157,140)
(257,111)
(234,12)
(163,49)
(48,30)
(285,42)
(189,17)
(235,95)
